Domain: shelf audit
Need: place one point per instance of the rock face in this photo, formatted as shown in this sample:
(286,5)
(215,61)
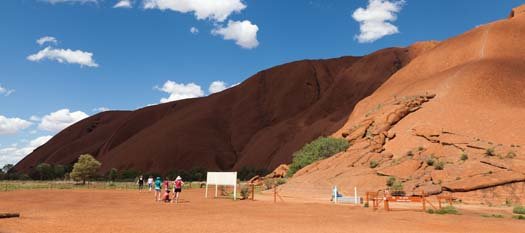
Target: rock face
(257,124)
(451,121)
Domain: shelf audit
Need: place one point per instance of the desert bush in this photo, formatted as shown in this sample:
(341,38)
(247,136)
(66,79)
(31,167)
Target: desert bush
(112,174)
(318,149)
(439,165)
(492,215)
(245,192)
(511,154)
(397,189)
(519,216)
(128,174)
(409,153)
(444,210)
(490,151)
(430,161)
(390,181)
(280,181)
(518,209)
(373,164)
(463,156)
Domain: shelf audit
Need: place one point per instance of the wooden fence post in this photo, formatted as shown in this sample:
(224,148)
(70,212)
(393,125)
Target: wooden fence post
(275,193)
(253,192)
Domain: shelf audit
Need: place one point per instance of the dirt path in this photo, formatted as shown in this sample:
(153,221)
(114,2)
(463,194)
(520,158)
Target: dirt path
(129,211)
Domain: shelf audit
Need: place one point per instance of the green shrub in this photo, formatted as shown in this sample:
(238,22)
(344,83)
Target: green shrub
(520,217)
(410,153)
(492,215)
(397,189)
(365,205)
(318,149)
(430,161)
(464,156)
(511,154)
(45,170)
(518,210)
(420,148)
(439,165)
(444,210)
(245,192)
(390,181)
(280,181)
(490,151)
(373,164)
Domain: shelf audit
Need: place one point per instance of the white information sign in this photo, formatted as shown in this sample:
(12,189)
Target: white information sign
(222,178)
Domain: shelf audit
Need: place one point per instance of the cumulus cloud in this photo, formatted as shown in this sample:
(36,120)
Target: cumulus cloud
(12,125)
(375,20)
(244,33)
(64,56)
(5,92)
(194,30)
(70,1)
(123,4)
(14,153)
(180,91)
(218,10)
(61,119)
(217,86)
(47,39)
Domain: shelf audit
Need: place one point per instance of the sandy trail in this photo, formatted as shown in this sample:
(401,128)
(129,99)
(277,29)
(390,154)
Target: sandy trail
(130,211)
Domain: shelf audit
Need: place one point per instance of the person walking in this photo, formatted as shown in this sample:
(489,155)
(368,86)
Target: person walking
(150,183)
(158,184)
(177,189)
(141,183)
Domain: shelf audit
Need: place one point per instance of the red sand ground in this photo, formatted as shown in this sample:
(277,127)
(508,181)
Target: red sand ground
(130,211)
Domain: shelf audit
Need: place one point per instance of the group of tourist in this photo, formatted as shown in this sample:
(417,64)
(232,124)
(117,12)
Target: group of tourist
(162,188)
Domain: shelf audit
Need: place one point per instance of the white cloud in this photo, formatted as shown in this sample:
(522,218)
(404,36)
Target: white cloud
(70,1)
(194,30)
(180,91)
(218,10)
(375,20)
(13,153)
(217,86)
(5,92)
(244,33)
(47,39)
(101,109)
(64,56)
(35,118)
(123,4)
(12,125)
(61,119)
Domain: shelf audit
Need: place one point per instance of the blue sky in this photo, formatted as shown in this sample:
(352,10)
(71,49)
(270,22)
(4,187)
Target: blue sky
(131,57)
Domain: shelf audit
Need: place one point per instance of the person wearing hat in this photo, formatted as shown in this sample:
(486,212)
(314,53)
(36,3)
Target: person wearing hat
(177,188)
(158,183)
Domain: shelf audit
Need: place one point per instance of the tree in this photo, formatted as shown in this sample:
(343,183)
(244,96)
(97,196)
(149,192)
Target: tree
(85,168)
(59,171)
(45,170)
(112,175)
(7,167)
